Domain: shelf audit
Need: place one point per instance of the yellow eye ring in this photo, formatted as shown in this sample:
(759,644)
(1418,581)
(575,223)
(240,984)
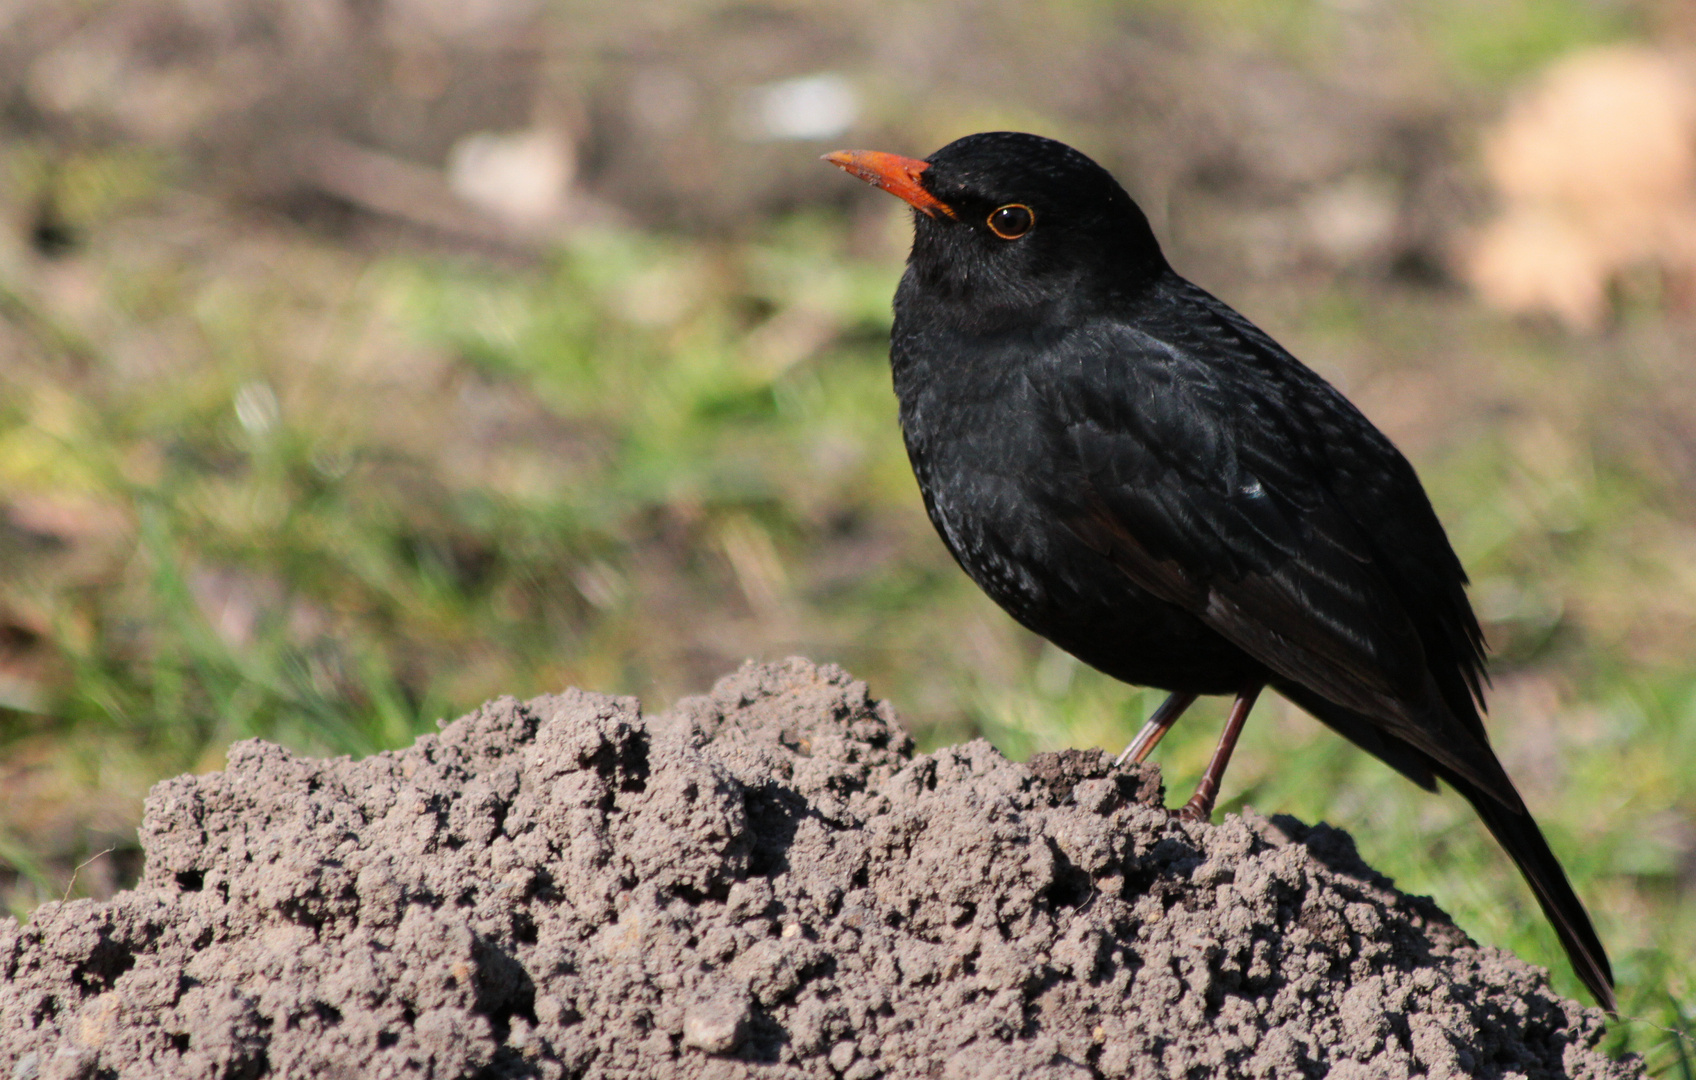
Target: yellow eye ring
(1011,221)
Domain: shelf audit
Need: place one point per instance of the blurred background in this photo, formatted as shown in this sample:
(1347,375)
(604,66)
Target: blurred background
(361,360)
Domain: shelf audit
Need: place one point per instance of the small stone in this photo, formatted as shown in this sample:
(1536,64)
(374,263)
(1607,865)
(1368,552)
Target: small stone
(718,1024)
(842,1055)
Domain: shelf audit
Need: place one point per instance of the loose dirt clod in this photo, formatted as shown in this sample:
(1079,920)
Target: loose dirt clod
(764,882)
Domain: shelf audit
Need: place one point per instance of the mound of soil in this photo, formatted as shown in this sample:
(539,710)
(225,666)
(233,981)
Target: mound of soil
(764,882)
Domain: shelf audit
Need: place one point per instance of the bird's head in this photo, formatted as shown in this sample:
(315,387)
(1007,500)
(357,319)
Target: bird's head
(1010,221)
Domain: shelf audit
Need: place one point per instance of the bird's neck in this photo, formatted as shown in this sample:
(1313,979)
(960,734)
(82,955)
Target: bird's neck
(951,352)
(947,302)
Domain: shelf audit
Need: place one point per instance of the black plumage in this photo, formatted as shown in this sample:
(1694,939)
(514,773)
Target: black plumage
(1136,472)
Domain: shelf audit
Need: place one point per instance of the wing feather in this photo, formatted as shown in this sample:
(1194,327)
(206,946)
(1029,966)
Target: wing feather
(1205,492)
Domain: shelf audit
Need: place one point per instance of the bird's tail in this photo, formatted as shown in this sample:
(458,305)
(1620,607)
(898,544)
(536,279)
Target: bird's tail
(1508,820)
(1520,837)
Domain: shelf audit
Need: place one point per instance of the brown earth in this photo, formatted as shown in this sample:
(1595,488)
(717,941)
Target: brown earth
(763,882)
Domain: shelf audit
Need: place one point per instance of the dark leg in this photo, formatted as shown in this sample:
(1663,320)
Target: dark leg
(1153,731)
(1200,806)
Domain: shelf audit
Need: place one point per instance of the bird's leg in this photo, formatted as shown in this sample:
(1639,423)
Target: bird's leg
(1200,806)
(1156,728)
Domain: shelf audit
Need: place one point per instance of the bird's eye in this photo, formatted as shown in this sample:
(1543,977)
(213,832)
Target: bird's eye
(1011,221)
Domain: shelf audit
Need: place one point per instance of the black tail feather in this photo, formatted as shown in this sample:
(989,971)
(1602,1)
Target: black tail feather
(1505,815)
(1523,841)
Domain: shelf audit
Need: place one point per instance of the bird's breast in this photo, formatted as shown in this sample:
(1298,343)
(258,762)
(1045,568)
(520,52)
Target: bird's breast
(993,468)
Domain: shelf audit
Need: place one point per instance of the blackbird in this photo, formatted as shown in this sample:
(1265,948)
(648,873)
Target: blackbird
(1139,474)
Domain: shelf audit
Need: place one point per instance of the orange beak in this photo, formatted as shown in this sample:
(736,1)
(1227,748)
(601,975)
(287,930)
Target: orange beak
(893,173)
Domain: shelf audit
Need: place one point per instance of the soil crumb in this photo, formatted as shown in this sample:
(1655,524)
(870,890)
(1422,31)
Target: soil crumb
(764,882)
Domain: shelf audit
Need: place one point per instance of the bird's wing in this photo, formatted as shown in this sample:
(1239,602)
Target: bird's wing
(1198,479)
(1366,472)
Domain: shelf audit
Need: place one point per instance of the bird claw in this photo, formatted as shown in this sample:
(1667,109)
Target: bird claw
(1191,811)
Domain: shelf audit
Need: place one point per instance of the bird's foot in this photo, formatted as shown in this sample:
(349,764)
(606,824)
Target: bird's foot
(1194,810)
(1200,806)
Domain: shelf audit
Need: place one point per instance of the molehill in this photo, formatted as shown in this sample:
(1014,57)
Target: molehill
(763,882)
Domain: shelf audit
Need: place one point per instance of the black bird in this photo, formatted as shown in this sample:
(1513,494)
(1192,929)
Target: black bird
(1139,474)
